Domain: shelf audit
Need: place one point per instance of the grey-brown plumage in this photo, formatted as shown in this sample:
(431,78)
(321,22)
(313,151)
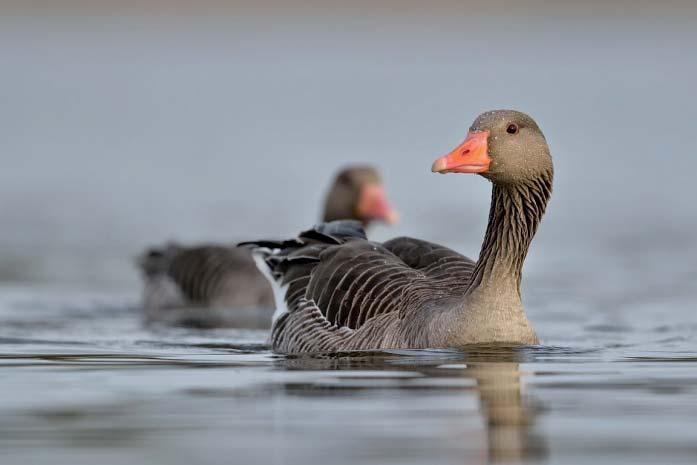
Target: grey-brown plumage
(343,292)
(197,286)
(214,285)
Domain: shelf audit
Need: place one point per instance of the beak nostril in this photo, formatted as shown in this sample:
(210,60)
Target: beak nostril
(465,152)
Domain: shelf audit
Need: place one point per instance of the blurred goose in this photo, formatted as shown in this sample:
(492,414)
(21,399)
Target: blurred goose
(343,292)
(219,285)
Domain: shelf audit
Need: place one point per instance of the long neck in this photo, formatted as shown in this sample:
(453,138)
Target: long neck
(516,211)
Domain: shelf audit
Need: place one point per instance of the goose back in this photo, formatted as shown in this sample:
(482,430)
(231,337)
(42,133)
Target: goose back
(208,276)
(340,286)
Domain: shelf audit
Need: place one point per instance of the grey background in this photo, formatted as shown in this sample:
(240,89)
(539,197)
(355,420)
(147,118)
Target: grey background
(127,125)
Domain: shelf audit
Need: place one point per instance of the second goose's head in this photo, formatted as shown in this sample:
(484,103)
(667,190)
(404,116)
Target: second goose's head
(358,193)
(505,146)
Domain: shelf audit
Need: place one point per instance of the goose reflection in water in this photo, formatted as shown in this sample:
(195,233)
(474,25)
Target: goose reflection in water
(508,413)
(493,375)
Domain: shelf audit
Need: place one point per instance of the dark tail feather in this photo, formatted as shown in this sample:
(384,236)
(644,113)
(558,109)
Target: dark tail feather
(335,232)
(278,255)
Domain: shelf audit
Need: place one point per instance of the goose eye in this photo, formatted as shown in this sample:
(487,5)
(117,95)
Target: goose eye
(512,128)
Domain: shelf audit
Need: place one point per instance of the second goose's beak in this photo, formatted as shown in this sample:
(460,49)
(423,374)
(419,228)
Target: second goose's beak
(373,205)
(472,156)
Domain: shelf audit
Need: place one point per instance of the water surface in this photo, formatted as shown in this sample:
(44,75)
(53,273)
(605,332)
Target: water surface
(84,381)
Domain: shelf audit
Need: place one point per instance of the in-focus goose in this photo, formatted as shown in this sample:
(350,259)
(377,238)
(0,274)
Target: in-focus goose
(219,285)
(343,292)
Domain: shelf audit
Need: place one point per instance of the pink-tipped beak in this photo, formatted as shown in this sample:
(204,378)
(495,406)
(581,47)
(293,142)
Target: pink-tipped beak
(472,156)
(373,205)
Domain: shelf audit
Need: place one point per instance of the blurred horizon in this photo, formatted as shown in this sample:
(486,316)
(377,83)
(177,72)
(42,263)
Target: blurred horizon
(623,8)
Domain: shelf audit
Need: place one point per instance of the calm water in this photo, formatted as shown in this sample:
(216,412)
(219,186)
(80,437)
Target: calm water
(84,382)
(119,131)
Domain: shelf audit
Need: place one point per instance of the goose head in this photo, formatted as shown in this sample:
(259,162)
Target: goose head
(505,146)
(358,193)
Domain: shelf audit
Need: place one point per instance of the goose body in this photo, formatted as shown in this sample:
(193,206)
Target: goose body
(213,285)
(199,285)
(344,292)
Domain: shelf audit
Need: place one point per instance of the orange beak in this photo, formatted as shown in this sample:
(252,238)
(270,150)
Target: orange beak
(472,156)
(373,205)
